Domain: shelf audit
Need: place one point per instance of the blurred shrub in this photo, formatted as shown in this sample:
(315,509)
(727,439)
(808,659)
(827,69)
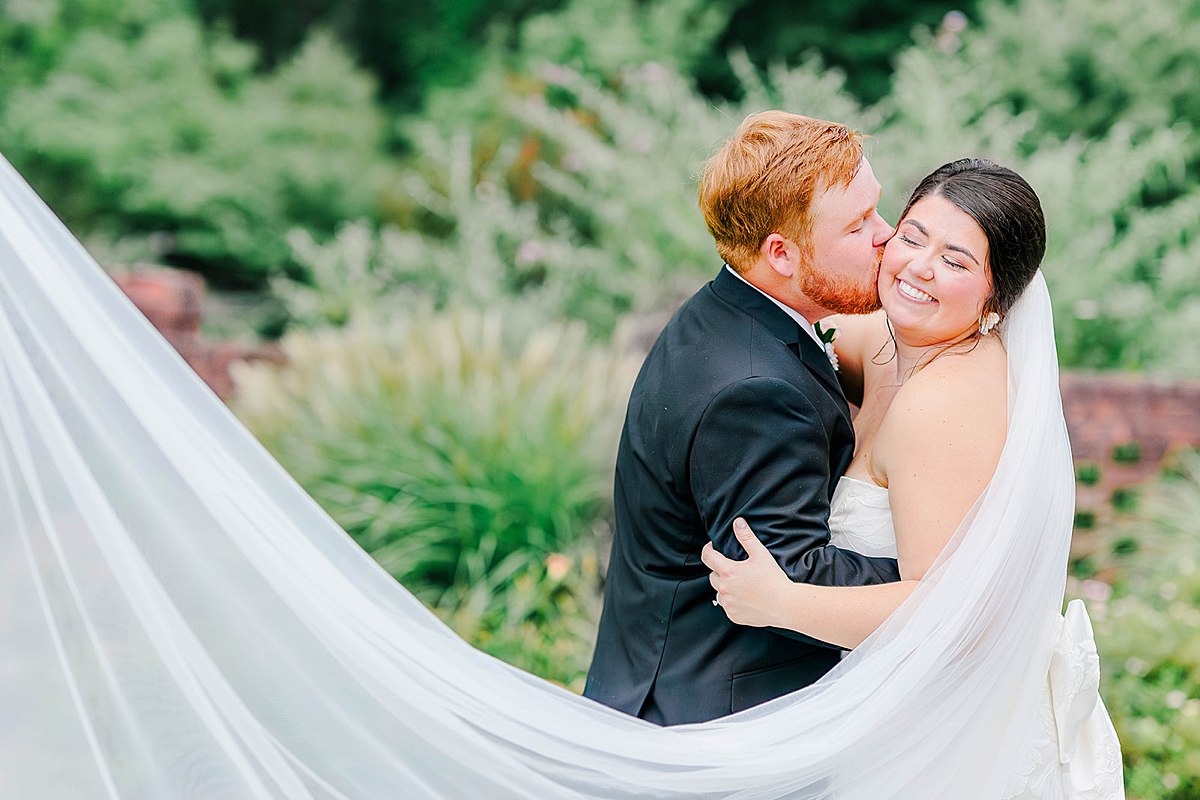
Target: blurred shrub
(163,128)
(1113,63)
(1148,635)
(1121,208)
(471,243)
(604,39)
(471,459)
(414,47)
(35,33)
(569,189)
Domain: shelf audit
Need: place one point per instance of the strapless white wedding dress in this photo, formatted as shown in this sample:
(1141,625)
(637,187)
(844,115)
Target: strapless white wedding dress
(1074,753)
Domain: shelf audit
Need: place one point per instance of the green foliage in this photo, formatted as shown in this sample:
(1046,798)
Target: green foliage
(471,461)
(603,161)
(414,49)
(611,163)
(172,131)
(1114,63)
(35,34)
(475,246)
(570,189)
(1124,500)
(1087,473)
(1149,639)
(1127,453)
(859,37)
(606,39)
(410,47)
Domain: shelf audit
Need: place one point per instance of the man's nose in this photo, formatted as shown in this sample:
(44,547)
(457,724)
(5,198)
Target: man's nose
(884,233)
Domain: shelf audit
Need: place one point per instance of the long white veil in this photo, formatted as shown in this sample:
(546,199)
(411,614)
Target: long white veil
(179,619)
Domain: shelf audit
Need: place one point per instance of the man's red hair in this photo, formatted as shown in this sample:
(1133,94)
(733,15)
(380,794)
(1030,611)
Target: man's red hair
(764,178)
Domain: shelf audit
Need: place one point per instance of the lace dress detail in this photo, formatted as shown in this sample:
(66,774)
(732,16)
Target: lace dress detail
(1074,753)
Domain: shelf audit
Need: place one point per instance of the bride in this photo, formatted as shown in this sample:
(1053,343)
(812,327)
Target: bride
(179,620)
(931,429)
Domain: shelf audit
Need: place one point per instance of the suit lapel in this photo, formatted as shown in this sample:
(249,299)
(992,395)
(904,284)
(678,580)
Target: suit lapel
(814,357)
(783,327)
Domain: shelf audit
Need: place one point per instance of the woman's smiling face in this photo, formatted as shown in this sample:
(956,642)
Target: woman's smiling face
(934,279)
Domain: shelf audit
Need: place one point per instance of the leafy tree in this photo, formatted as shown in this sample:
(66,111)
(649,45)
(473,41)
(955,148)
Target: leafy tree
(859,37)
(414,47)
(35,33)
(163,129)
(409,47)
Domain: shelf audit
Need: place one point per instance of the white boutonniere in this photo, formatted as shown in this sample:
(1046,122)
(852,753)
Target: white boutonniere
(827,337)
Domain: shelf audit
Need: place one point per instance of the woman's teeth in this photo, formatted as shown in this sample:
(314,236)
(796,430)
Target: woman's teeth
(915,293)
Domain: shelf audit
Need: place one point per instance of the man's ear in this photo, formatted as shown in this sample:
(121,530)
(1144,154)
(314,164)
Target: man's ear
(781,254)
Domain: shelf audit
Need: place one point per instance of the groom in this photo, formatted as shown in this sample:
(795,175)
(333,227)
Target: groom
(737,412)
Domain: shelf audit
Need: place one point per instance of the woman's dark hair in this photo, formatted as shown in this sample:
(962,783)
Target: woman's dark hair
(1008,211)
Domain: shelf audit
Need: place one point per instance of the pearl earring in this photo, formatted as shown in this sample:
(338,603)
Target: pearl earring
(987,322)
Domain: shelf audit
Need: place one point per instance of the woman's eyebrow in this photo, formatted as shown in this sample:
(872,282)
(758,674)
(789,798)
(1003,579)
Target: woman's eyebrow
(955,247)
(960,249)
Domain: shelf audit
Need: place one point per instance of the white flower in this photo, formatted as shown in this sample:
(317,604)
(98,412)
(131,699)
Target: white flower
(829,351)
(826,337)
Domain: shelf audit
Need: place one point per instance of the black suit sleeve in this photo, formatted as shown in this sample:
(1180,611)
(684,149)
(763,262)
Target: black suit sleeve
(761,452)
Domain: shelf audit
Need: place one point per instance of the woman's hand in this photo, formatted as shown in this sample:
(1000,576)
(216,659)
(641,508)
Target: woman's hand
(751,591)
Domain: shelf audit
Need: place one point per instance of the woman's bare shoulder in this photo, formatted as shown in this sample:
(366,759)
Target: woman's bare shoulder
(979,372)
(958,397)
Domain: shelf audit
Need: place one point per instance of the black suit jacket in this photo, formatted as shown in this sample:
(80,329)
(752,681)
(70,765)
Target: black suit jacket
(736,412)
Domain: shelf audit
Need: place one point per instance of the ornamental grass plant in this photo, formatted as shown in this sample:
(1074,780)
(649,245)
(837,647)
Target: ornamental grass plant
(471,457)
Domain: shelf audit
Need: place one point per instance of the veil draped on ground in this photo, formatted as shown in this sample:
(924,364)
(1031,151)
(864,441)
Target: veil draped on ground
(178,619)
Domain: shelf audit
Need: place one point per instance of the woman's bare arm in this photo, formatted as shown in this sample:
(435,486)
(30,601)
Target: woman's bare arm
(857,340)
(937,449)
(756,592)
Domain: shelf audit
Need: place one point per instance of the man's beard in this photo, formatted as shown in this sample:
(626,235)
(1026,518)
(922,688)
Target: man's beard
(841,295)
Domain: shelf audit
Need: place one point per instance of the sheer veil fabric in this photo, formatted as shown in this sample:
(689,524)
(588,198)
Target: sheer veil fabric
(179,619)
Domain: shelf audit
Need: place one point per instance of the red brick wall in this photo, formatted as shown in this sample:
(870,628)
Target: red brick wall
(1107,411)
(1122,429)
(173,300)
